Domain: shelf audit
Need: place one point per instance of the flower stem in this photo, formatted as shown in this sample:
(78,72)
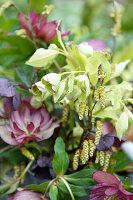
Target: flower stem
(5,148)
(68,187)
(27,168)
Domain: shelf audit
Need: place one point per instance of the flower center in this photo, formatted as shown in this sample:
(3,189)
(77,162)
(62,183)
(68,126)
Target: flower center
(112,197)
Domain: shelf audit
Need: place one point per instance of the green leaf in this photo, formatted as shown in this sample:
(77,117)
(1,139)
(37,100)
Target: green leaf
(59,146)
(38,188)
(52,78)
(70,83)
(23,77)
(14,156)
(130,114)
(127,181)
(83,177)
(122,125)
(42,57)
(60,93)
(119,68)
(53,192)
(24,45)
(94,61)
(61,159)
(77,191)
(107,112)
(122,160)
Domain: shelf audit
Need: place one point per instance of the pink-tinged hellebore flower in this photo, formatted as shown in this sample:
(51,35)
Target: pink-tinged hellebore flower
(42,29)
(26,195)
(108,187)
(27,124)
(97,45)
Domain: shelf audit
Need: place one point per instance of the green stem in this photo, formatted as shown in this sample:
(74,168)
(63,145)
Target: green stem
(27,168)
(124,169)
(68,187)
(49,185)
(5,148)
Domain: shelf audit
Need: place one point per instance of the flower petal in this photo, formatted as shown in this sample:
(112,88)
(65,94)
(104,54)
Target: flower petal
(48,133)
(6,136)
(104,177)
(111,191)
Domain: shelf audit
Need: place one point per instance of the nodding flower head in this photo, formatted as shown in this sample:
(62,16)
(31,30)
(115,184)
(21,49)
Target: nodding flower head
(27,124)
(108,187)
(41,29)
(26,195)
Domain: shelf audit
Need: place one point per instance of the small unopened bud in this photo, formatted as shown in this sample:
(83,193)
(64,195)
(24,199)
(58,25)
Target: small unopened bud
(76,159)
(102,95)
(102,158)
(84,156)
(47,9)
(107,160)
(21,32)
(92,148)
(27,153)
(98,132)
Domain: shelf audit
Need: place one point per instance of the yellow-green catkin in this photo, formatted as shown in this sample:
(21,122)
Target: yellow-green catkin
(16,172)
(84,156)
(82,108)
(92,148)
(96,94)
(102,158)
(22,168)
(27,153)
(97,157)
(86,110)
(107,160)
(76,159)
(98,132)
(102,95)
(65,115)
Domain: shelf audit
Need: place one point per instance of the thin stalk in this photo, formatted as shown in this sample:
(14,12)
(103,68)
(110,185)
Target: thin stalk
(27,168)
(30,25)
(5,148)
(68,187)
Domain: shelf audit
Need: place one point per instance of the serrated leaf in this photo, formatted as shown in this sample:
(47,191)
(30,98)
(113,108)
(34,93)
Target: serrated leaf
(42,57)
(53,192)
(122,125)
